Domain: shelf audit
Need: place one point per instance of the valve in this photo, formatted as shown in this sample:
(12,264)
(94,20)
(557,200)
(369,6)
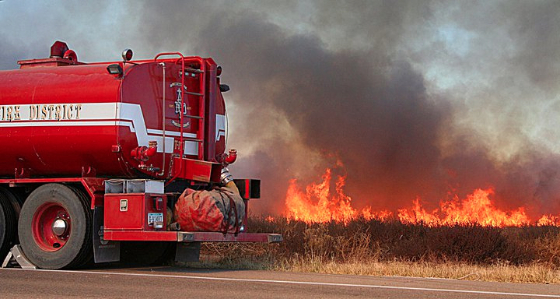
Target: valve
(228,158)
(231,157)
(143,153)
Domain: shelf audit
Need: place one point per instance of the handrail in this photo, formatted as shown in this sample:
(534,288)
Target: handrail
(162,173)
(182,147)
(202,111)
(201,105)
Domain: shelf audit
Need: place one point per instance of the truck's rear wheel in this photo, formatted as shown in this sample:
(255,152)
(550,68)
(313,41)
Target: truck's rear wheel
(7,225)
(55,227)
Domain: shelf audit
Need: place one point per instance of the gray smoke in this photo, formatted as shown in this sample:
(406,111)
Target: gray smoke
(414,98)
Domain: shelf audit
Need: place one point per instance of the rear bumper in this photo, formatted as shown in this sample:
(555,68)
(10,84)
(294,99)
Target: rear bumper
(179,236)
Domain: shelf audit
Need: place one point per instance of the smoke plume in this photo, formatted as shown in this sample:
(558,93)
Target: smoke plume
(407,99)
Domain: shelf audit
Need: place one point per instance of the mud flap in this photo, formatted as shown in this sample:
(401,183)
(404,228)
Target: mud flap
(103,251)
(187,252)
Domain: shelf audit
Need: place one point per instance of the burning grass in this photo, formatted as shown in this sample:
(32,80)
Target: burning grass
(373,247)
(464,238)
(326,201)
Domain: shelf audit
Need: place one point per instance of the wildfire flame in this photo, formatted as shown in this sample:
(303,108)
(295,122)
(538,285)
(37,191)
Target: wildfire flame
(318,203)
(476,208)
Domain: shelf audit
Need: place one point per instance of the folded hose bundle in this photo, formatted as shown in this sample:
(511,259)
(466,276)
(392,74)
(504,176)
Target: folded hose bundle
(218,210)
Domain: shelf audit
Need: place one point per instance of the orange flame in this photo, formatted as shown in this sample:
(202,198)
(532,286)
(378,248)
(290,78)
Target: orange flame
(321,204)
(475,209)
(549,220)
(317,204)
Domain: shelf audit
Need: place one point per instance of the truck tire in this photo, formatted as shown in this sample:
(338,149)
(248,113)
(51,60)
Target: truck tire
(8,225)
(55,227)
(15,198)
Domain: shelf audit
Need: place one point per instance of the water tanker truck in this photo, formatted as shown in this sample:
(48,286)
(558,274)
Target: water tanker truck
(96,158)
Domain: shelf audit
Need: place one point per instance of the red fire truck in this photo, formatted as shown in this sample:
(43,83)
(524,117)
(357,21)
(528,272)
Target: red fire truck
(95,155)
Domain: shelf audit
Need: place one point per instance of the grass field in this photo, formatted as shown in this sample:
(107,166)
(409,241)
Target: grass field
(372,247)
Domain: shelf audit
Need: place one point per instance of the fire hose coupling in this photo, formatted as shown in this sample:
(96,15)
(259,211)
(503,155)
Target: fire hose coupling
(143,153)
(227,181)
(225,177)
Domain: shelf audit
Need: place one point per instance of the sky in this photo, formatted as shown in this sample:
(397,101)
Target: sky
(406,99)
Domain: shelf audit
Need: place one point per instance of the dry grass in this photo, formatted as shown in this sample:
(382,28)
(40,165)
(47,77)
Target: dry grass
(525,254)
(503,273)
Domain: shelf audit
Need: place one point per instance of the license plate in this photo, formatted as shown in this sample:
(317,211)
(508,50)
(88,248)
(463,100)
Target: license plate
(155,217)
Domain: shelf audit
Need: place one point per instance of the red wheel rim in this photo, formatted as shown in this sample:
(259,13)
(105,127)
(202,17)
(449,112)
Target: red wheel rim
(51,226)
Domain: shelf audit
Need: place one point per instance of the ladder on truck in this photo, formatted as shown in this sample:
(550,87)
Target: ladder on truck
(181,164)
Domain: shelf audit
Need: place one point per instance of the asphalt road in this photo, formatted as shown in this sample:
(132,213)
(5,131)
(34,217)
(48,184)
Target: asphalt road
(167,282)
